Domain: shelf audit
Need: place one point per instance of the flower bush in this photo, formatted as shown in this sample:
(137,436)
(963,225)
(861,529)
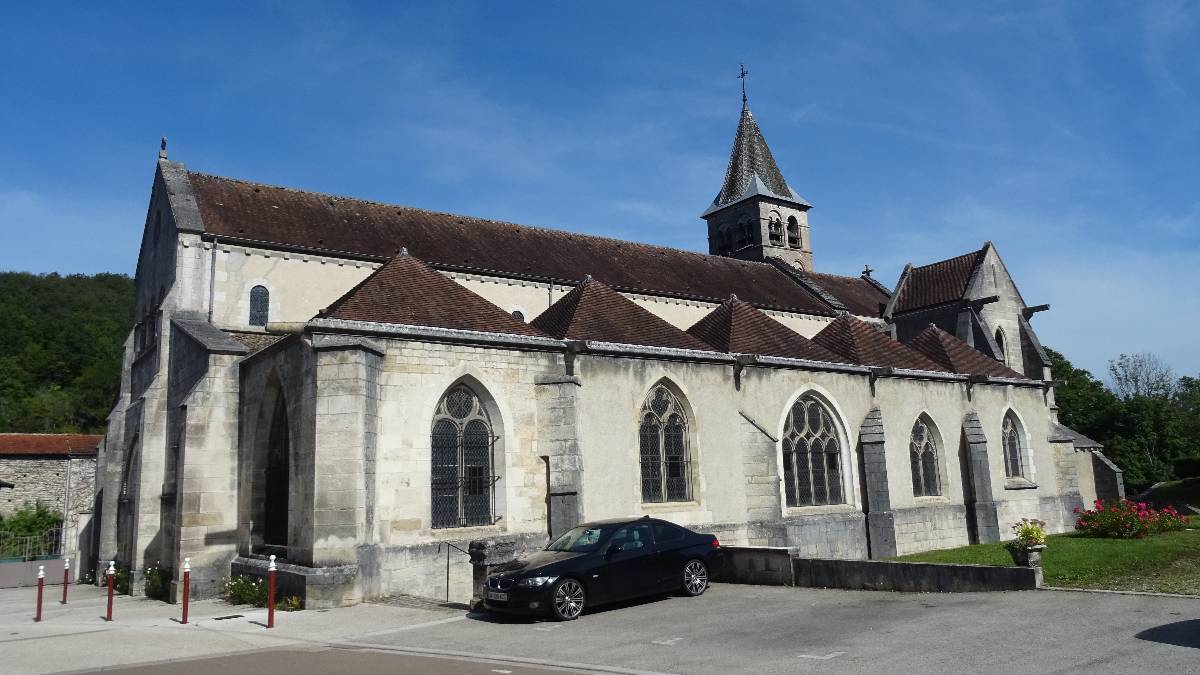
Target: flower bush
(157,582)
(1127,519)
(244,590)
(1030,532)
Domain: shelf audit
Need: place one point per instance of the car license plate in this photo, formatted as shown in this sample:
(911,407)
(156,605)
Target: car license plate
(493,595)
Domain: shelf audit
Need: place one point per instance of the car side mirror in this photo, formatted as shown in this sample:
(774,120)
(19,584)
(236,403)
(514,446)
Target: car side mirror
(612,550)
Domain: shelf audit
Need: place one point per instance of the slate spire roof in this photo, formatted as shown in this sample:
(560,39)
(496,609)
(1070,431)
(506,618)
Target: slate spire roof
(407,291)
(593,311)
(859,342)
(737,327)
(752,169)
(957,356)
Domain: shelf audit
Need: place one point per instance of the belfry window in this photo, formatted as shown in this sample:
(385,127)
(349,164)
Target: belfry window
(260,304)
(1014,447)
(775,230)
(663,441)
(793,232)
(462,480)
(923,455)
(812,455)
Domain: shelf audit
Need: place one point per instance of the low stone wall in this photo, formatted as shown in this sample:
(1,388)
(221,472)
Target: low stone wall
(885,575)
(760,565)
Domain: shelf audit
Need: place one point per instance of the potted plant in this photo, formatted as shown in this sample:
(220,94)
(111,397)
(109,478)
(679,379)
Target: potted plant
(1026,549)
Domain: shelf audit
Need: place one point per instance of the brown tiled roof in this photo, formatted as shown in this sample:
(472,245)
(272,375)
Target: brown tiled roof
(256,341)
(861,343)
(939,282)
(737,327)
(49,444)
(409,292)
(858,294)
(957,356)
(593,311)
(237,210)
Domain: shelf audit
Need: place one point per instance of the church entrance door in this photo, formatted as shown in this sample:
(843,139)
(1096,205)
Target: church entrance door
(277,486)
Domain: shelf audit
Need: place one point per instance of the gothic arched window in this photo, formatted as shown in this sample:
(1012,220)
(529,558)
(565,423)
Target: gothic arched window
(793,232)
(812,455)
(1000,347)
(923,454)
(260,304)
(1014,446)
(663,448)
(462,480)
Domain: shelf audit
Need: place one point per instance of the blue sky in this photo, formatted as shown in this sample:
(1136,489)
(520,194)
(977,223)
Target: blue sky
(1066,133)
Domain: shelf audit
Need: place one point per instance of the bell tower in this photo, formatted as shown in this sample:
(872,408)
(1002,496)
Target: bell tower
(756,215)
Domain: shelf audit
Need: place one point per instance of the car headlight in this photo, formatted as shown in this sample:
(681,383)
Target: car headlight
(535,582)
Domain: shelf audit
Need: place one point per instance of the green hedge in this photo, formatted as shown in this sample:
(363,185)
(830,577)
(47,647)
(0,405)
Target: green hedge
(1187,467)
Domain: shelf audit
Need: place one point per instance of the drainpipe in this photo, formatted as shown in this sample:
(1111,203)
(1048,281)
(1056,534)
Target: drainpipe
(66,506)
(212,278)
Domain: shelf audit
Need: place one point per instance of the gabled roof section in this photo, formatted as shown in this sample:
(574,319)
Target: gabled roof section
(737,327)
(1062,432)
(860,295)
(406,291)
(861,343)
(49,444)
(752,169)
(593,311)
(957,356)
(274,217)
(938,283)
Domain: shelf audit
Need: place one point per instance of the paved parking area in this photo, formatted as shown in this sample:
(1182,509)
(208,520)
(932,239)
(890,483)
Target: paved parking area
(729,629)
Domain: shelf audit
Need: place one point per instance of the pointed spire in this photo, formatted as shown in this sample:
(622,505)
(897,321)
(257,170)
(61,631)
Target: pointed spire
(752,169)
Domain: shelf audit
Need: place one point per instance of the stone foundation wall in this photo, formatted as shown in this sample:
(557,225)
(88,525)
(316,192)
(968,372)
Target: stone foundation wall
(924,528)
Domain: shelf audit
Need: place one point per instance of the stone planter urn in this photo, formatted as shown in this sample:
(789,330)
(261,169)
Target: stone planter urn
(1027,556)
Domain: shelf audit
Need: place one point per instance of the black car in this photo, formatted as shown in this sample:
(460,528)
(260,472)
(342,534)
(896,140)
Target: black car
(604,561)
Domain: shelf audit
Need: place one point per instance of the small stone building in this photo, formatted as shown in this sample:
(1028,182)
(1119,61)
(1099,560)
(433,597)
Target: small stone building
(363,389)
(58,470)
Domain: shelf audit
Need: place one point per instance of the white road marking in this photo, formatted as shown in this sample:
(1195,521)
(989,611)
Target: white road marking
(833,655)
(400,629)
(552,626)
(666,643)
(497,670)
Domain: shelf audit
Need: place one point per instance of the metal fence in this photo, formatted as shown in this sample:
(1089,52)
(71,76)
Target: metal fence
(22,547)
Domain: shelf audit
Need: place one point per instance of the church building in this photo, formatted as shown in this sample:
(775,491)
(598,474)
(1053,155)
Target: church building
(363,389)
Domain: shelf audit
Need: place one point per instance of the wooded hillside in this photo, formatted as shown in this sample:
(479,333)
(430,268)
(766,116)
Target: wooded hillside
(60,349)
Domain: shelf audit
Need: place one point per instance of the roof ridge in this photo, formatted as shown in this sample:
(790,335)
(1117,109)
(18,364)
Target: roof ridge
(952,258)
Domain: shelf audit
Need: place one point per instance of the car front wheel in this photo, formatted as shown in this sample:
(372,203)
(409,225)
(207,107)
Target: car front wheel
(567,600)
(695,578)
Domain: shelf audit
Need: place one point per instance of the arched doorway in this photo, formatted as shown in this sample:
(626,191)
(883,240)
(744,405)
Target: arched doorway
(276,483)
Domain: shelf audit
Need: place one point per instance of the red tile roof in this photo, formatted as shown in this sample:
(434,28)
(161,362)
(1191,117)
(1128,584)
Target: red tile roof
(409,292)
(957,356)
(254,213)
(593,311)
(49,444)
(939,282)
(859,295)
(861,343)
(737,327)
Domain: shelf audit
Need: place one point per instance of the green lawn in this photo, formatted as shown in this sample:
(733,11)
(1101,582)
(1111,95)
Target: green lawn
(1163,563)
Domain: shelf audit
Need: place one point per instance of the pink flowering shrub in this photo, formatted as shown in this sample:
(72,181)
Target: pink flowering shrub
(1127,520)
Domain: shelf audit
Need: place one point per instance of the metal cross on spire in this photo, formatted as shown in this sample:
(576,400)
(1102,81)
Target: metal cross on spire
(742,76)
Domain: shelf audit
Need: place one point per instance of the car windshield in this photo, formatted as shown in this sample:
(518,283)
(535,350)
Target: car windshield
(581,539)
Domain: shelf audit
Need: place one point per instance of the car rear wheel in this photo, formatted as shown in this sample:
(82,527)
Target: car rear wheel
(567,600)
(695,578)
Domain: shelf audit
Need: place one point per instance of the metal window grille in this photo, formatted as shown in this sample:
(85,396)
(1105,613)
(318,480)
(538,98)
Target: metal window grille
(462,446)
(663,448)
(1012,448)
(812,456)
(260,303)
(923,454)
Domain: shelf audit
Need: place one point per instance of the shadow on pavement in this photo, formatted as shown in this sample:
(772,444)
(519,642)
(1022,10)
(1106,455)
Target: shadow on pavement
(1180,634)
(500,617)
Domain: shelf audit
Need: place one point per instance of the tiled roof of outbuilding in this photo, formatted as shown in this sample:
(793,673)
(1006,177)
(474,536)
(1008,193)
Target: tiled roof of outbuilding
(260,214)
(957,356)
(859,295)
(49,444)
(737,327)
(861,343)
(939,282)
(406,291)
(593,311)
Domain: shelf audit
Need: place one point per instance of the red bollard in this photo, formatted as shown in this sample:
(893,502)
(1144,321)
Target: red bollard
(271,593)
(187,583)
(110,573)
(41,584)
(66,577)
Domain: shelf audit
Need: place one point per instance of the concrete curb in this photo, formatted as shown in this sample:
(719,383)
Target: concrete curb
(1115,592)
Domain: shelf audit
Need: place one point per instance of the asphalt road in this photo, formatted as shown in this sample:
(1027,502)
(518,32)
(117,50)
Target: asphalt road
(332,660)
